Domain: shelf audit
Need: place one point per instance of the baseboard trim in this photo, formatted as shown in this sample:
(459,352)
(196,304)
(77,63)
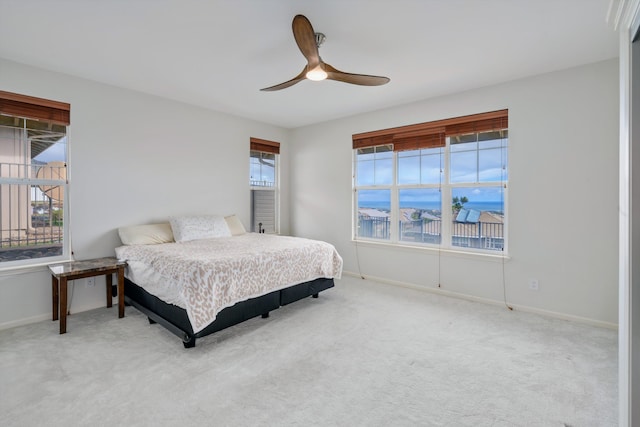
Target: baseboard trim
(25,321)
(47,316)
(523,308)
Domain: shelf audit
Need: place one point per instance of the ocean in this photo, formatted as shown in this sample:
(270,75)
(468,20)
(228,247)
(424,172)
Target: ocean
(495,206)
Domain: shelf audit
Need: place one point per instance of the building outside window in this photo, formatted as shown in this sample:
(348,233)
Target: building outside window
(33,180)
(263,178)
(438,184)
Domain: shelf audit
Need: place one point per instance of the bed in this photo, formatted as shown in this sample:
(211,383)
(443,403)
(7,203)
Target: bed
(195,281)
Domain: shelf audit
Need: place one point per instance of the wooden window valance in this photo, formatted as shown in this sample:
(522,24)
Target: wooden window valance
(432,134)
(30,107)
(265,146)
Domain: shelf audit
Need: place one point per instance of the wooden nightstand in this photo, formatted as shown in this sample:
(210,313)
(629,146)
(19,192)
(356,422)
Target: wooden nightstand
(61,273)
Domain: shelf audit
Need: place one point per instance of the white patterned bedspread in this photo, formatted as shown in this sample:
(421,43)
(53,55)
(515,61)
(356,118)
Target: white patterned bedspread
(209,275)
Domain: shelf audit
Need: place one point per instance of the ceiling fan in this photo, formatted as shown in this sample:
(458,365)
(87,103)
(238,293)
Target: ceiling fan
(316,69)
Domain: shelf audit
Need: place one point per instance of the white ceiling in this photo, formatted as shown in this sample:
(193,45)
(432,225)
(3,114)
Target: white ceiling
(218,53)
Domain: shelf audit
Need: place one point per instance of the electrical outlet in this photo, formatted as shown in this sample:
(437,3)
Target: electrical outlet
(534,285)
(91,282)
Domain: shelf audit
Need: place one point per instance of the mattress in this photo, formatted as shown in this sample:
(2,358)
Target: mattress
(205,276)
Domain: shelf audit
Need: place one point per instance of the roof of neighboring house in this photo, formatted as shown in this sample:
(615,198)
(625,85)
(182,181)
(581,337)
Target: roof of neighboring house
(491,217)
(374,213)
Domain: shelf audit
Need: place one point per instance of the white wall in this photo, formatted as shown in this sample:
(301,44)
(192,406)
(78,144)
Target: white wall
(134,159)
(563,194)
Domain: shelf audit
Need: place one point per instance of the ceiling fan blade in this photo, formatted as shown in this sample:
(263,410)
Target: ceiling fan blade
(286,84)
(306,39)
(356,79)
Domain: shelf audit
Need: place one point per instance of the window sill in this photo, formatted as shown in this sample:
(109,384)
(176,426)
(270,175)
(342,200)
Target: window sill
(16,270)
(458,253)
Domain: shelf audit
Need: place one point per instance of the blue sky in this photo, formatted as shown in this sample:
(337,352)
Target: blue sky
(56,152)
(470,163)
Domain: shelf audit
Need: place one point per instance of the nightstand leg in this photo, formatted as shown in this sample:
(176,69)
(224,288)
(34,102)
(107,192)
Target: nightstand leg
(55,297)
(121,291)
(109,296)
(63,305)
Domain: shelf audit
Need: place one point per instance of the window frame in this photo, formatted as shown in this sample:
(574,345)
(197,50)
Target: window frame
(30,108)
(268,147)
(450,127)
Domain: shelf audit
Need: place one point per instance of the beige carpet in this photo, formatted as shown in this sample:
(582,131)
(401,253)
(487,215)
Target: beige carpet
(363,354)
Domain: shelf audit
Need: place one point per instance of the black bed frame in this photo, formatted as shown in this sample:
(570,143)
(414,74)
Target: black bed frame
(175,319)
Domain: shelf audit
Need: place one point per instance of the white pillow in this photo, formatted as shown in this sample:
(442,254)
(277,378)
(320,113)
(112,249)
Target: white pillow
(235,225)
(149,234)
(186,228)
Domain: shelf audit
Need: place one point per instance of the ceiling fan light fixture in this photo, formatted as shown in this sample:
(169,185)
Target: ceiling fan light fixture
(317,74)
(308,42)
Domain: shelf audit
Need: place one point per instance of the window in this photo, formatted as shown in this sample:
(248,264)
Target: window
(263,177)
(33,180)
(440,183)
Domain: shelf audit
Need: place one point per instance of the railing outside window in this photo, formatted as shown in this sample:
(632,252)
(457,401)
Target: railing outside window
(373,227)
(481,235)
(423,231)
